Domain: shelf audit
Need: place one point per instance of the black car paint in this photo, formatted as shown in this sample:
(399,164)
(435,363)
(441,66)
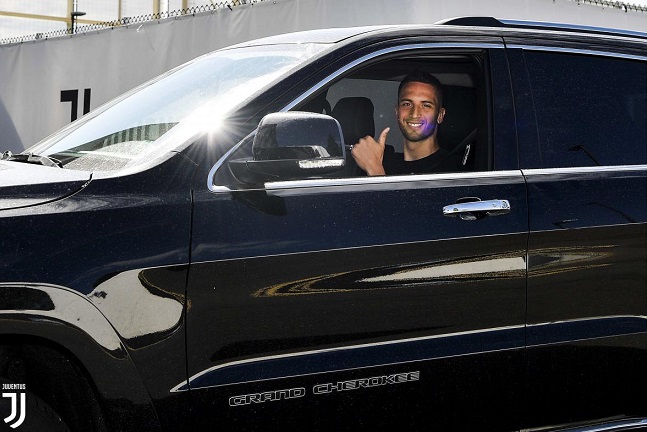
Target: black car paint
(286,289)
(29,185)
(103,227)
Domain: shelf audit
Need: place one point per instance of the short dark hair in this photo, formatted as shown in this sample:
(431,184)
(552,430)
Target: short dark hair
(421,76)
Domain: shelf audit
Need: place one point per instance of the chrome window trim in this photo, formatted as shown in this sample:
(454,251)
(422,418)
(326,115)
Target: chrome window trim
(382,180)
(335,75)
(536,172)
(567,50)
(354,181)
(440,177)
(221,162)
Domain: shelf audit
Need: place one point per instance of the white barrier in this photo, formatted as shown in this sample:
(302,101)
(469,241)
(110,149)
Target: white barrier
(46,83)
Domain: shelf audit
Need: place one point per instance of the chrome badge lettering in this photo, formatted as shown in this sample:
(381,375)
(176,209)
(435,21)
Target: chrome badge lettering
(366,382)
(277,395)
(322,389)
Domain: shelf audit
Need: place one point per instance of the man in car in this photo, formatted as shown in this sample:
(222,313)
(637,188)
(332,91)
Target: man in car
(419,112)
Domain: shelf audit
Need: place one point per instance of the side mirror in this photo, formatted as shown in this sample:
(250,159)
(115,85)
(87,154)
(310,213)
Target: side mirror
(290,146)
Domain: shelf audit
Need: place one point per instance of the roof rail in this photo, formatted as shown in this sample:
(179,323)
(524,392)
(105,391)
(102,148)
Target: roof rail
(472,21)
(537,25)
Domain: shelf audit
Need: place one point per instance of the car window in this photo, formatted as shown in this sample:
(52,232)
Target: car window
(364,102)
(591,111)
(166,111)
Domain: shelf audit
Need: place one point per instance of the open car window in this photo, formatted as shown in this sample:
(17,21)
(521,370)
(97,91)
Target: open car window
(364,101)
(364,104)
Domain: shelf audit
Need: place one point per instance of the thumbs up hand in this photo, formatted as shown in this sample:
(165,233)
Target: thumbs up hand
(369,153)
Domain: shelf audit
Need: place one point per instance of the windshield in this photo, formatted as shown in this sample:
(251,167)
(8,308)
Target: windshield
(170,110)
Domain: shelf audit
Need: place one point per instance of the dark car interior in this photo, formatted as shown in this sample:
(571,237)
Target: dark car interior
(364,102)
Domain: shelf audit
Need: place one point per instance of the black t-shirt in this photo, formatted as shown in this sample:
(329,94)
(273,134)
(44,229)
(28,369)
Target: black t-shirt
(437,162)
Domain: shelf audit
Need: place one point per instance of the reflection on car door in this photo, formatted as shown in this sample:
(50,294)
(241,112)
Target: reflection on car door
(343,303)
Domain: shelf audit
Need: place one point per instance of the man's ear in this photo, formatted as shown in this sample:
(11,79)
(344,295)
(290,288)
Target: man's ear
(441,116)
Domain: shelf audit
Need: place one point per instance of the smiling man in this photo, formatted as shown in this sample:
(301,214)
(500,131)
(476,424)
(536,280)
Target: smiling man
(419,112)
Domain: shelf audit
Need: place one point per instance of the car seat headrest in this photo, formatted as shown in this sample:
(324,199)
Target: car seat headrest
(355,116)
(460,117)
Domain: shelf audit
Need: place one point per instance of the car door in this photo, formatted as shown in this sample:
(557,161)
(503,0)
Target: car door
(585,163)
(356,302)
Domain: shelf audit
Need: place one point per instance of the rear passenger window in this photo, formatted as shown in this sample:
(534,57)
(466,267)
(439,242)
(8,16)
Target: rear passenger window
(590,110)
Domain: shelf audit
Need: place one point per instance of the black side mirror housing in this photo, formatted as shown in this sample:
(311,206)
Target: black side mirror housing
(293,145)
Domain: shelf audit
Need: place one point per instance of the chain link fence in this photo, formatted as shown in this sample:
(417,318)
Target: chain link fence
(614,5)
(230,5)
(132,20)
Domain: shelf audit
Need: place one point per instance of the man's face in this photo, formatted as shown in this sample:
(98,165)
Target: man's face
(419,112)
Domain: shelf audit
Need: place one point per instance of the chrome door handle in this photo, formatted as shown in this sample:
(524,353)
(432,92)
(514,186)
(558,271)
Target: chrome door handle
(477,209)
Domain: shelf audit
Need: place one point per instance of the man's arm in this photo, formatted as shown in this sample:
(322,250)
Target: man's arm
(369,154)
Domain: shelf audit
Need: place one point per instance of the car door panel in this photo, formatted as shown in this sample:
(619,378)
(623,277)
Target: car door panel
(586,296)
(348,303)
(391,287)
(587,250)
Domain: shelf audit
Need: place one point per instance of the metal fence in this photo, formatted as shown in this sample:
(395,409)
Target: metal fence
(613,4)
(626,7)
(132,20)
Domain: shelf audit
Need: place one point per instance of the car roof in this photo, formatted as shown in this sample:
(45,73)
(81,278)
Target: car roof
(487,24)
(330,35)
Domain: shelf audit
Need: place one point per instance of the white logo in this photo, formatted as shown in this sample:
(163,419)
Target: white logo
(15,412)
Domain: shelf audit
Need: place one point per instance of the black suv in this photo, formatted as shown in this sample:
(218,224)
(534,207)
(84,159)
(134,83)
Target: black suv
(202,253)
